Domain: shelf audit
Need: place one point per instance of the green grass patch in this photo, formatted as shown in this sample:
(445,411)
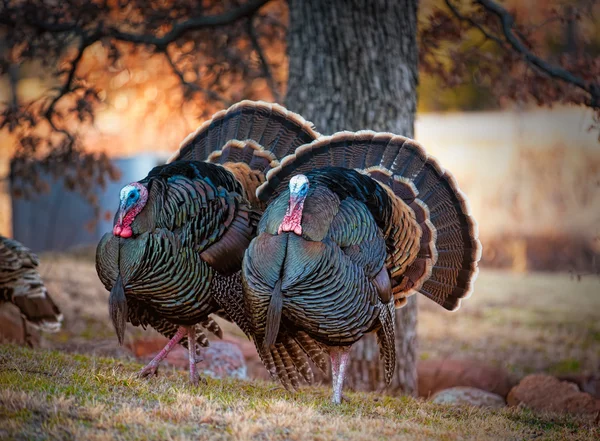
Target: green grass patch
(53,395)
(568,366)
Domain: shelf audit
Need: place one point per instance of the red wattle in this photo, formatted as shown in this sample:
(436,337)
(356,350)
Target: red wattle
(122,231)
(293,217)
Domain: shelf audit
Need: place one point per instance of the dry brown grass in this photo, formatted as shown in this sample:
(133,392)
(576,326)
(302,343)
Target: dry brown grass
(526,323)
(538,322)
(52,395)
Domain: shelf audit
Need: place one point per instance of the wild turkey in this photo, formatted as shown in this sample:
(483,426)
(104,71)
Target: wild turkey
(174,255)
(340,247)
(21,284)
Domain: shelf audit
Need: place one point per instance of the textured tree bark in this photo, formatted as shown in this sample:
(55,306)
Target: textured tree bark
(353,66)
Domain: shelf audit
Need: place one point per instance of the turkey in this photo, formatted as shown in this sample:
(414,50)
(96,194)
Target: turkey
(175,253)
(21,284)
(358,222)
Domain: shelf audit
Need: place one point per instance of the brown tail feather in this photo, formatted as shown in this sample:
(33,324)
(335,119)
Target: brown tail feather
(281,372)
(387,342)
(271,126)
(298,358)
(40,310)
(445,266)
(313,349)
(289,366)
(21,284)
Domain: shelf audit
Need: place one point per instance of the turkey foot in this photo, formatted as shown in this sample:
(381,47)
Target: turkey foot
(151,367)
(339,361)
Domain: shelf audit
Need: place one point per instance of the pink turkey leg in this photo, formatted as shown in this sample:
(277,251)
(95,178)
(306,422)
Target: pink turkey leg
(339,362)
(192,355)
(150,369)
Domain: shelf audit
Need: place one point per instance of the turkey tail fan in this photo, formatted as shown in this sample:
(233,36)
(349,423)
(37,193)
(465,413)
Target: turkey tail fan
(445,264)
(273,132)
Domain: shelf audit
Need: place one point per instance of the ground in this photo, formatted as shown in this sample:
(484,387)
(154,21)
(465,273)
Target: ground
(53,395)
(526,323)
(71,389)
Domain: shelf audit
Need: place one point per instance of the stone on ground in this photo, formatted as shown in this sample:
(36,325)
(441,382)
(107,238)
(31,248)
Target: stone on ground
(470,396)
(546,393)
(437,375)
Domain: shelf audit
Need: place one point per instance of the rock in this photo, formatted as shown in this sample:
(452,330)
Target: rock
(220,360)
(468,396)
(223,359)
(11,327)
(436,375)
(546,393)
(255,368)
(586,383)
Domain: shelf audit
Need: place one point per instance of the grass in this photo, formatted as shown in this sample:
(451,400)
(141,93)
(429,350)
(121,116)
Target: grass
(536,322)
(73,389)
(53,395)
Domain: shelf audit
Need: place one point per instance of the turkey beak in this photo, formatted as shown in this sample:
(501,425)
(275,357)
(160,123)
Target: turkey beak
(294,201)
(122,210)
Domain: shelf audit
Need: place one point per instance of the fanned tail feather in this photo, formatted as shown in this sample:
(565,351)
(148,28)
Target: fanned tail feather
(445,265)
(247,139)
(272,127)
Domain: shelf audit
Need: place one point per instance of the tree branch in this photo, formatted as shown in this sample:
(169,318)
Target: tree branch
(263,61)
(193,86)
(557,72)
(473,23)
(194,23)
(66,87)
(178,29)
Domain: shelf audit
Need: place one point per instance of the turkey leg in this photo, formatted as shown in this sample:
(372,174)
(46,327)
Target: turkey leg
(191,336)
(151,368)
(339,362)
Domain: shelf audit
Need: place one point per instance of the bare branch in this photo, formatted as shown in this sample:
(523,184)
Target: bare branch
(193,86)
(178,29)
(553,71)
(194,23)
(473,23)
(66,87)
(265,65)
(13,75)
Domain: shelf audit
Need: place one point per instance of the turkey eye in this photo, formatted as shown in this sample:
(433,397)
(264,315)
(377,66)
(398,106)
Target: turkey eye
(131,195)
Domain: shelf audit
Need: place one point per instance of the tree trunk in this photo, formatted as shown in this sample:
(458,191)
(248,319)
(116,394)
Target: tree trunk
(353,66)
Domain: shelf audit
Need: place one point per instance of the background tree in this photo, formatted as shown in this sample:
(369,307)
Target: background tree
(352,65)
(354,68)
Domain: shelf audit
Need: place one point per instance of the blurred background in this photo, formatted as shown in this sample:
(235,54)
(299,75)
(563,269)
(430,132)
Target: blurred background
(524,151)
(532,173)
